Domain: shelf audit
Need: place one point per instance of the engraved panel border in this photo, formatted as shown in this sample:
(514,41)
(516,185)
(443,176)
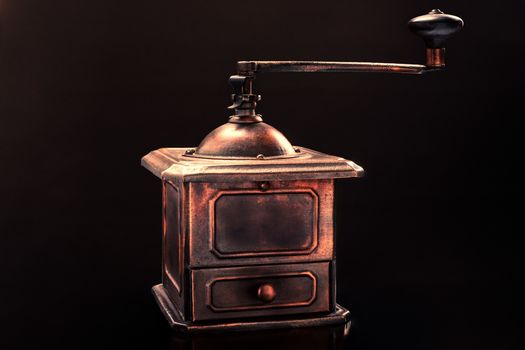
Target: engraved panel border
(310,275)
(315,225)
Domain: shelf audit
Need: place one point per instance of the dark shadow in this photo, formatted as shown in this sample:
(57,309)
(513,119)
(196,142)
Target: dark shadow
(328,337)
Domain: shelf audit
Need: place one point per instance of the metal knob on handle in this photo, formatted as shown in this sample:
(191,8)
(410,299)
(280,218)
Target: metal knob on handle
(435,28)
(266,293)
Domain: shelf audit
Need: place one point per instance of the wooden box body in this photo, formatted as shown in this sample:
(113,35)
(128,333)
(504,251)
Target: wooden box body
(232,227)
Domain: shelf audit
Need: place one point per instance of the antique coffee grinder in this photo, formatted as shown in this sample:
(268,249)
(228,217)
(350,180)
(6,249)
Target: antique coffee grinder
(248,230)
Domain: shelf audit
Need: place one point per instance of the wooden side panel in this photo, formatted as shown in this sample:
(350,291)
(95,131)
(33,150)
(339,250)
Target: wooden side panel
(224,293)
(173,244)
(252,223)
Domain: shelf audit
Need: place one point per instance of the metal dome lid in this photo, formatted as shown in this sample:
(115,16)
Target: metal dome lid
(245,140)
(245,136)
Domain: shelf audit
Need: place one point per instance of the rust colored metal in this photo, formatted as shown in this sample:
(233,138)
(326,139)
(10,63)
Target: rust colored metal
(173,316)
(248,219)
(251,68)
(248,238)
(245,140)
(266,293)
(436,57)
(223,293)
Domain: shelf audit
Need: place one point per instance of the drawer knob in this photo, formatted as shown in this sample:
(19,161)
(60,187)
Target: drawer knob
(266,293)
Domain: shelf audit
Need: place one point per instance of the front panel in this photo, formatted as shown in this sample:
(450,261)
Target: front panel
(260,222)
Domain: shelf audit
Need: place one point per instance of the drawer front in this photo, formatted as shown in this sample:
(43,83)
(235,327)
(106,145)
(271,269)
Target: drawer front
(258,223)
(260,291)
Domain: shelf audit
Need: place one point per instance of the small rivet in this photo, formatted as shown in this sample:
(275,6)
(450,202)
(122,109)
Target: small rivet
(297,150)
(264,186)
(260,156)
(190,151)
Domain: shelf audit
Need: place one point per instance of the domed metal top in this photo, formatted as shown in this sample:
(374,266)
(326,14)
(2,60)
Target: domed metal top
(245,140)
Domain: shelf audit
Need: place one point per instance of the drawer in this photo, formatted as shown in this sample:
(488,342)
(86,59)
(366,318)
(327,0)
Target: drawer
(261,291)
(257,223)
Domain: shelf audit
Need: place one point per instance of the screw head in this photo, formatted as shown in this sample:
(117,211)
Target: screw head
(260,156)
(264,186)
(190,151)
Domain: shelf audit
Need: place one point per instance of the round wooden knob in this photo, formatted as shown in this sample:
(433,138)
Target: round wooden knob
(266,293)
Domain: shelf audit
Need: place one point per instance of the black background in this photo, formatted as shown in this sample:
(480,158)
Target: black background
(427,243)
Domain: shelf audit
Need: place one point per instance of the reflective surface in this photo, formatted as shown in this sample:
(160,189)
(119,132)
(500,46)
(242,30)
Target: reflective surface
(331,338)
(245,140)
